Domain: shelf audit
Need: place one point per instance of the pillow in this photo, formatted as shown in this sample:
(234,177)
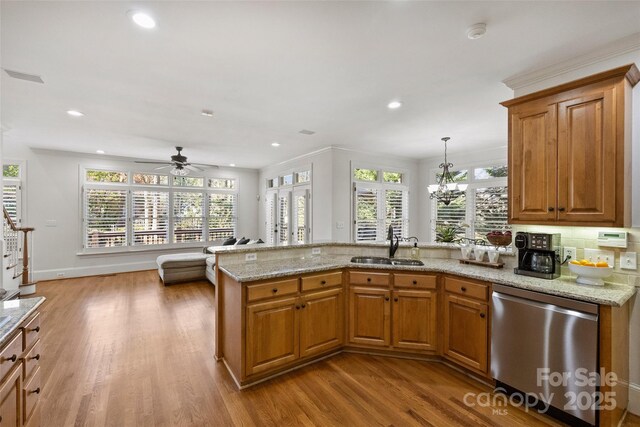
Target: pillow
(229,241)
(242,241)
(259,241)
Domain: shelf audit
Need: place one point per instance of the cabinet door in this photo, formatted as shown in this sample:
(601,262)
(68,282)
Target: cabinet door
(587,153)
(272,334)
(369,321)
(533,164)
(321,322)
(10,390)
(466,331)
(414,320)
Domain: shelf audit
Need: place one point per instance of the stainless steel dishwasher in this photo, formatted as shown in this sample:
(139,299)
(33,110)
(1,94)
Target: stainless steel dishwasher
(535,338)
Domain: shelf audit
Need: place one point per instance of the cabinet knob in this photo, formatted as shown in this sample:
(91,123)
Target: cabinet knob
(274,290)
(395,299)
(463,289)
(36,357)
(386,298)
(482,315)
(36,329)
(415,282)
(36,391)
(368,279)
(323,282)
(11,359)
(560,209)
(297,307)
(550,209)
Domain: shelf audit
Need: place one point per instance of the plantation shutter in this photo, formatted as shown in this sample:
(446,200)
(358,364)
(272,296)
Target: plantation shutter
(222,216)
(188,216)
(11,201)
(366,207)
(105,217)
(284,204)
(452,215)
(300,216)
(491,208)
(396,212)
(150,217)
(270,217)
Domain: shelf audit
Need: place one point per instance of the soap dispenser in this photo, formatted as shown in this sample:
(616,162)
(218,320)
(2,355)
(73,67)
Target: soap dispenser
(415,251)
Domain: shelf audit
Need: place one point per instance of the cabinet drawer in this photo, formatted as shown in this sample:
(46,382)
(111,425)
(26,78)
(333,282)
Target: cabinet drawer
(9,356)
(272,289)
(467,288)
(31,395)
(419,281)
(31,331)
(321,281)
(368,278)
(32,360)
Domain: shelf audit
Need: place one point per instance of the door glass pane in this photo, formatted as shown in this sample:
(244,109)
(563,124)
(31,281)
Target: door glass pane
(283,219)
(301,217)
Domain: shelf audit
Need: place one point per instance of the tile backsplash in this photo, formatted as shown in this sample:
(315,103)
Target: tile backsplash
(587,238)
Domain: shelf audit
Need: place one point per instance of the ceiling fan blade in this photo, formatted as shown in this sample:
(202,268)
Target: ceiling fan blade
(163,167)
(193,168)
(202,165)
(153,163)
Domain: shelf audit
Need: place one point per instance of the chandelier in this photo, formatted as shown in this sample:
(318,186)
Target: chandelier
(446,190)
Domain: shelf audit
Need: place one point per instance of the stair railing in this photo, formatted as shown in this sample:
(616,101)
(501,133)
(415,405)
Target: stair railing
(12,252)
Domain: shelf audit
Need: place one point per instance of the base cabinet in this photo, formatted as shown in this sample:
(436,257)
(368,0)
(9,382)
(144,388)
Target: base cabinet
(369,316)
(466,331)
(415,319)
(10,390)
(321,322)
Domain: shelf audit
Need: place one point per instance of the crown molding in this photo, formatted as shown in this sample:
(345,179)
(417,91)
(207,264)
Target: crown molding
(617,48)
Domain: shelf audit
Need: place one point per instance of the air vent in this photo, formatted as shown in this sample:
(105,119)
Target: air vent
(306,132)
(24,76)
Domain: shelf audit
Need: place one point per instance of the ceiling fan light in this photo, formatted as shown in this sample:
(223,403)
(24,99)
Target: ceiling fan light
(179,171)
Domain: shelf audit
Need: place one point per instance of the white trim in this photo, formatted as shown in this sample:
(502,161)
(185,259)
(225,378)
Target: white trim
(634,399)
(616,48)
(94,270)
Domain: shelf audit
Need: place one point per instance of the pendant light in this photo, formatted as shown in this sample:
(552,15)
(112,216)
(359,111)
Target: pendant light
(446,190)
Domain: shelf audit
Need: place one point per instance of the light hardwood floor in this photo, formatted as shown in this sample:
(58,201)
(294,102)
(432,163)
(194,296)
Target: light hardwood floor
(123,350)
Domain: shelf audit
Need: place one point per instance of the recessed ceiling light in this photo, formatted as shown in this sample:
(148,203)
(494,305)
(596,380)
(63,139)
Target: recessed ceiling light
(75,113)
(143,20)
(207,113)
(393,105)
(476,31)
(275,144)
(233,165)
(100,151)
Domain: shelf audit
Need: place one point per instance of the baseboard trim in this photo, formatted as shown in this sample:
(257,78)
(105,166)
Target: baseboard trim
(94,270)
(634,399)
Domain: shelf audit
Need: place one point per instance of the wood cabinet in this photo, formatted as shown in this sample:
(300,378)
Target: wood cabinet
(321,322)
(404,317)
(20,376)
(569,152)
(466,323)
(369,316)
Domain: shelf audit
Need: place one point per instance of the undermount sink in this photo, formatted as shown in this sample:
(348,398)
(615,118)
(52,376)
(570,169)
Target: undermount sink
(406,262)
(370,260)
(387,261)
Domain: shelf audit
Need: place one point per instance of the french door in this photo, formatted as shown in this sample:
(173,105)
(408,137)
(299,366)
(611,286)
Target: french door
(287,216)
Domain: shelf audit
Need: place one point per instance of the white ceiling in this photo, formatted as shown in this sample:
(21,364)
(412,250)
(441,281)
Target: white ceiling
(270,69)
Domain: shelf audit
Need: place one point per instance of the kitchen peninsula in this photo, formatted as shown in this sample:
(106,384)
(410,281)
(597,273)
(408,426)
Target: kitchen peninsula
(296,305)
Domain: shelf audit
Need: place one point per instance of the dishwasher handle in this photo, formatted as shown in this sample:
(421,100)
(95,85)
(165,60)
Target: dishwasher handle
(546,306)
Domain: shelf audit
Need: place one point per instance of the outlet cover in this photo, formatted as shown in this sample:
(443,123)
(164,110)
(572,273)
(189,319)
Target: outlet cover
(316,251)
(569,253)
(629,261)
(251,257)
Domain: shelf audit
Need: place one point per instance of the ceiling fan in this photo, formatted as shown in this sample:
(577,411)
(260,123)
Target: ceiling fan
(179,164)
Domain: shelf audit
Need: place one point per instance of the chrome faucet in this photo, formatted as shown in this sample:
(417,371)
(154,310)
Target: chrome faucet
(393,247)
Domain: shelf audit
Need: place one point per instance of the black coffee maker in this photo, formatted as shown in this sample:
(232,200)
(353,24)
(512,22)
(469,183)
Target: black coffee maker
(538,254)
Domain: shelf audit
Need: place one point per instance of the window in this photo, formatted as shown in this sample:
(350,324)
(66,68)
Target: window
(288,208)
(481,209)
(381,199)
(12,191)
(141,209)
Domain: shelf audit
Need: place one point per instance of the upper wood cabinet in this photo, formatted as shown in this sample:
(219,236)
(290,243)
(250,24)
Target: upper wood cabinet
(569,152)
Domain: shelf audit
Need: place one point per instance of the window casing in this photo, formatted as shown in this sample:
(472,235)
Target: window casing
(121,209)
(380,200)
(483,206)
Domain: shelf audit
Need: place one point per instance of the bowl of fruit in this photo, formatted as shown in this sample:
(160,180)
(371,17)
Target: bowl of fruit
(590,273)
(499,238)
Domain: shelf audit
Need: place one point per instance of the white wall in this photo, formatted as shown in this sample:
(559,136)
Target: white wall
(331,188)
(53,194)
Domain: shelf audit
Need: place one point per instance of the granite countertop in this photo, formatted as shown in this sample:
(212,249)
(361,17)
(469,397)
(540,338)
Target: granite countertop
(610,294)
(18,311)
